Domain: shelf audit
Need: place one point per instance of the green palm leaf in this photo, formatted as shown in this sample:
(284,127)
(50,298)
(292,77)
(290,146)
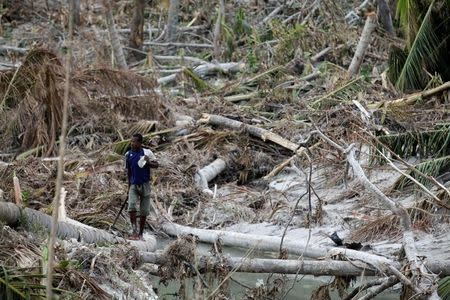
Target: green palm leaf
(433,168)
(444,288)
(421,52)
(428,143)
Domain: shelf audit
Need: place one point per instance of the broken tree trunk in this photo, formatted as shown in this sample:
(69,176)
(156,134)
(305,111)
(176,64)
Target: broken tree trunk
(261,133)
(12,214)
(114,37)
(208,173)
(272,243)
(281,266)
(363,43)
(206,69)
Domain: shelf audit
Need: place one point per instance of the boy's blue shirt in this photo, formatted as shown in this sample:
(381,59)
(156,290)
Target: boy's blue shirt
(138,175)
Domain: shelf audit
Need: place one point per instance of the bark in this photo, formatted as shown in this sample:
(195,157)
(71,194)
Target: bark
(261,133)
(363,43)
(206,69)
(385,16)
(218,29)
(119,56)
(137,29)
(172,20)
(12,214)
(208,173)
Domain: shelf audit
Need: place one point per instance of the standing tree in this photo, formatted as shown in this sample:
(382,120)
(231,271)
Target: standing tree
(114,37)
(172,20)
(137,29)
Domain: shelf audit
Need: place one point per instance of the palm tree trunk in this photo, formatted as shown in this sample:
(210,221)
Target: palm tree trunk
(70,229)
(172,20)
(217,29)
(137,28)
(363,43)
(114,37)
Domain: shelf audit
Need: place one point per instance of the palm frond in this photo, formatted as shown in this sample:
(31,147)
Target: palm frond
(444,288)
(143,127)
(342,94)
(406,14)
(433,168)
(430,143)
(421,53)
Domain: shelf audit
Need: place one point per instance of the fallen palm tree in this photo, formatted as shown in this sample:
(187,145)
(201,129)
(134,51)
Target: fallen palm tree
(272,243)
(208,173)
(12,214)
(281,266)
(261,133)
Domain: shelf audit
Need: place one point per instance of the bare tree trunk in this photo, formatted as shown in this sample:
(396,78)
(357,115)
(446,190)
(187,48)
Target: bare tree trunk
(70,229)
(263,134)
(114,37)
(291,266)
(208,173)
(137,29)
(385,16)
(172,20)
(363,43)
(206,69)
(272,243)
(218,29)
(76,13)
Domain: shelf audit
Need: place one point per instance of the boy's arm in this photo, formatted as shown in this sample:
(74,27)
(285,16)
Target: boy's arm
(150,158)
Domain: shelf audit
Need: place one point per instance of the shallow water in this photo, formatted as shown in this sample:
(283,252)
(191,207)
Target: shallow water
(301,290)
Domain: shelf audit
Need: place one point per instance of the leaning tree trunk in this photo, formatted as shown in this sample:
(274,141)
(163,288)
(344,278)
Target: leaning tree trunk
(114,37)
(172,20)
(137,29)
(363,43)
(71,229)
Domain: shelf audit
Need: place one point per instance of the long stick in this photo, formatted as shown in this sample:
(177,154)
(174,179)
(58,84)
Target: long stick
(62,146)
(120,211)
